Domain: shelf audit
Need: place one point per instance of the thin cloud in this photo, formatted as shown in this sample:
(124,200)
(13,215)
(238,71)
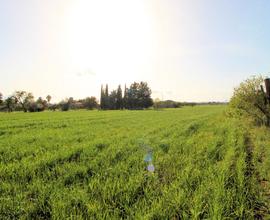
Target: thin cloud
(87,72)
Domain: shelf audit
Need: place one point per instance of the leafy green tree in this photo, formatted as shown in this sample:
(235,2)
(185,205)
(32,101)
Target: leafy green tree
(10,103)
(41,104)
(112,100)
(90,103)
(144,95)
(64,105)
(102,98)
(132,96)
(32,107)
(125,103)
(1,98)
(53,107)
(67,104)
(37,106)
(24,99)
(48,98)
(106,98)
(106,91)
(249,100)
(119,98)
(139,96)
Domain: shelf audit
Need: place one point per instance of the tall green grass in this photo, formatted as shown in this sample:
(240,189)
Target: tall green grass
(90,164)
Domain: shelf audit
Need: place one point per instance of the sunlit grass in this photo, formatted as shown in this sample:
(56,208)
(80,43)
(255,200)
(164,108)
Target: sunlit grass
(92,164)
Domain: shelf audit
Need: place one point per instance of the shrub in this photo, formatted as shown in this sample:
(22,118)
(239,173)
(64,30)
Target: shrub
(249,100)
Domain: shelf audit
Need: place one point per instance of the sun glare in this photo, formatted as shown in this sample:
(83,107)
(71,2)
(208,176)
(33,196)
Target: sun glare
(112,38)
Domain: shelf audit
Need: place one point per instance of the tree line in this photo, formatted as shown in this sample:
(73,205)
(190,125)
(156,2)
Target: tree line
(25,101)
(137,96)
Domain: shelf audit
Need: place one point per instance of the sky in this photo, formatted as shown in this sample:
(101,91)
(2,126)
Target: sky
(187,50)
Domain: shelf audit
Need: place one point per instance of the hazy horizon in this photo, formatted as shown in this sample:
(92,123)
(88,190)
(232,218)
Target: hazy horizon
(185,50)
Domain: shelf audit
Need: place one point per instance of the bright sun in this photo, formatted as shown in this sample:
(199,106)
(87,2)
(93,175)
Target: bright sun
(112,38)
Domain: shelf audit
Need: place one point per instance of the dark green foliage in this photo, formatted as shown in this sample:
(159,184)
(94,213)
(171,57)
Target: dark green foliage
(42,208)
(90,103)
(53,107)
(1,98)
(65,105)
(102,98)
(106,98)
(164,146)
(125,97)
(41,104)
(138,96)
(119,98)
(113,100)
(10,103)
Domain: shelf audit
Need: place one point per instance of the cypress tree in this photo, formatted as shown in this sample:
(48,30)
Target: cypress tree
(125,98)
(102,97)
(106,98)
(106,91)
(113,100)
(119,98)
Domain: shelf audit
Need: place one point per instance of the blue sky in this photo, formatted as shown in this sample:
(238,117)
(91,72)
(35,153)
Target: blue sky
(186,50)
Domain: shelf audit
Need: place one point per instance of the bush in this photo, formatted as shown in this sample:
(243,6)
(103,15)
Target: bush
(65,106)
(249,100)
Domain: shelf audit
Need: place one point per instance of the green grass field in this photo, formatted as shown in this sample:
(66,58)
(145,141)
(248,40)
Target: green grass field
(90,164)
